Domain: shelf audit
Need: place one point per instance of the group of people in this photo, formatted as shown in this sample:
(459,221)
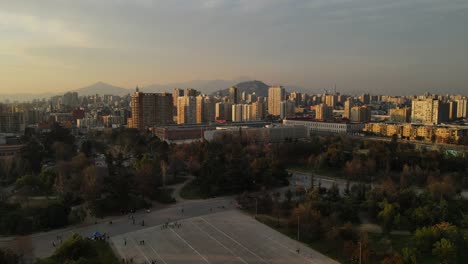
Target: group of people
(171,225)
(126,261)
(58,239)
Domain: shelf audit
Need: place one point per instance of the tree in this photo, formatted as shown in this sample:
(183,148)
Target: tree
(409,255)
(393,258)
(92,183)
(388,215)
(445,250)
(9,257)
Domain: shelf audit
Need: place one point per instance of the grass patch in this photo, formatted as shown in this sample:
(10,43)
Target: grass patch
(191,191)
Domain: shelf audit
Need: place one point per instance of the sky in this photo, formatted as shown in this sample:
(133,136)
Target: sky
(378,46)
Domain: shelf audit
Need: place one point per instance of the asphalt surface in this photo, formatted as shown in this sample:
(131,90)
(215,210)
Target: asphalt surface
(228,236)
(208,231)
(40,245)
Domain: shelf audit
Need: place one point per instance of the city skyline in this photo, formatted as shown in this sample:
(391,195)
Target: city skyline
(406,47)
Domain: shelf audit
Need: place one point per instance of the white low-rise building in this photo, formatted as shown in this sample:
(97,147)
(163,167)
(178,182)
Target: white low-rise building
(326,127)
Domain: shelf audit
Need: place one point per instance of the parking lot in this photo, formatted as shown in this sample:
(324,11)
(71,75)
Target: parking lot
(224,237)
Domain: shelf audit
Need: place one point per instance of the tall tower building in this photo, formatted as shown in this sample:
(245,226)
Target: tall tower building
(323,112)
(360,114)
(287,109)
(365,98)
(453,106)
(246,112)
(186,110)
(258,112)
(296,97)
(233,95)
(330,100)
(199,109)
(275,96)
(400,115)
(219,111)
(237,112)
(347,107)
(429,111)
(175,94)
(150,109)
(190,92)
(462,107)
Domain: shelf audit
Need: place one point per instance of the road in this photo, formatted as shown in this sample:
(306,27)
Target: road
(304,179)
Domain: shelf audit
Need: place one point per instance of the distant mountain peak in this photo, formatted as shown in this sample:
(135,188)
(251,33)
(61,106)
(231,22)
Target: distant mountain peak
(102,88)
(255,86)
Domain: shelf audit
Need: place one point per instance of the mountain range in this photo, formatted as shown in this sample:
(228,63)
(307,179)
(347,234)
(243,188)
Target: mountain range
(220,87)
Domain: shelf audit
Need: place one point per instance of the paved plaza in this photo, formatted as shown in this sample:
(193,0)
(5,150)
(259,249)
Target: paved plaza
(224,237)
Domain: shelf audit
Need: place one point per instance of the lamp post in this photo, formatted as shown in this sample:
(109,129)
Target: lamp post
(256,207)
(298,237)
(360,252)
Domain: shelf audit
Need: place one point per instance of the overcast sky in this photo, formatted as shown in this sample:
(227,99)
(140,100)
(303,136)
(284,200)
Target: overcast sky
(378,46)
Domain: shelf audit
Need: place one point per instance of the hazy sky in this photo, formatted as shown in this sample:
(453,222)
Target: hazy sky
(361,45)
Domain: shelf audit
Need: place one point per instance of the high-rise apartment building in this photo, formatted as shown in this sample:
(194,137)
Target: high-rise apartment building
(462,110)
(360,114)
(199,109)
(219,111)
(258,111)
(429,111)
(237,112)
(400,115)
(287,109)
(150,109)
(208,109)
(233,95)
(347,107)
(365,98)
(275,97)
(453,107)
(323,112)
(186,110)
(190,92)
(296,97)
(330,100)
(12,122)
(246,112)
(175,94)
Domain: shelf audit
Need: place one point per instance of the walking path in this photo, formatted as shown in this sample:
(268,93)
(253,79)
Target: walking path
(178,187)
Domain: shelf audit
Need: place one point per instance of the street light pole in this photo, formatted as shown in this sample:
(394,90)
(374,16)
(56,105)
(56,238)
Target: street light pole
(298,237)
(256,208)
(360,252)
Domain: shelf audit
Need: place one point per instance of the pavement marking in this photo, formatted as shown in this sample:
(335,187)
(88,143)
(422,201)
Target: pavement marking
(188,244)
(141,251)
(269,238)
(228,236)
(159,256)
(117,248)
(210,236)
